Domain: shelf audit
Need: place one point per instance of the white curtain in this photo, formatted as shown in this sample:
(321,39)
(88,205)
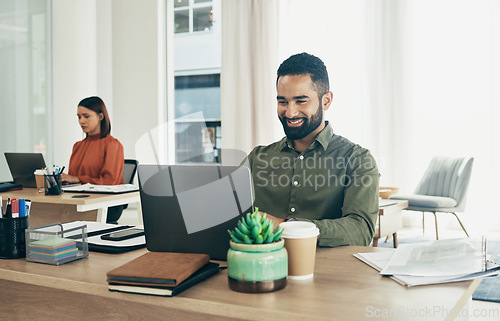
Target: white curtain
(451,90)
(411,79)
(248,73)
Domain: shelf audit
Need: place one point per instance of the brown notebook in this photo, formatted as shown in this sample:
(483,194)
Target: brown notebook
(159,268)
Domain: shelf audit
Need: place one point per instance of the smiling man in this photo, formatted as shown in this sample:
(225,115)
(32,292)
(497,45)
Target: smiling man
(313,174)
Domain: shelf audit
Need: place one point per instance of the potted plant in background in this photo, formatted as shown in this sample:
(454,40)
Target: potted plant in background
(256,260)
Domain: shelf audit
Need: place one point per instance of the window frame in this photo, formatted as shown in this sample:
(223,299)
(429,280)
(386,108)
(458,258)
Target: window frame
(190,8)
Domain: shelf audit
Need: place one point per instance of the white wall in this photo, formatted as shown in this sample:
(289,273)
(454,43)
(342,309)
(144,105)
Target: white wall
(135,70)
(74,67)
(107,48)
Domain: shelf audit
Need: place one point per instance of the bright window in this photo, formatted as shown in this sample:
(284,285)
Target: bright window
(25,79)
(193,16)
(197,113)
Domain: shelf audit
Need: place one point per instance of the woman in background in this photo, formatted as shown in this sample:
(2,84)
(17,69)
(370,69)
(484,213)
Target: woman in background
(97,159)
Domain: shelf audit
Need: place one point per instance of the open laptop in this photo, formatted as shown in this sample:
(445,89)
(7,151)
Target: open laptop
(189,208)
(23,165)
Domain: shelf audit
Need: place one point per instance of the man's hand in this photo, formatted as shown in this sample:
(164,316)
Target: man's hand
(276,220)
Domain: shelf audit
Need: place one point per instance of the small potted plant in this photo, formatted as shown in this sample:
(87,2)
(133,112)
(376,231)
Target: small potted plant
(256,260)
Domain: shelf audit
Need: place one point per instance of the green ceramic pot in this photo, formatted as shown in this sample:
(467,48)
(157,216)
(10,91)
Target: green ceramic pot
(257,268)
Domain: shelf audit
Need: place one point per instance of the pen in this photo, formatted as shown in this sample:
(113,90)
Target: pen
(62,169)
(28,207)
(8,210)
(22,207)
(15,208)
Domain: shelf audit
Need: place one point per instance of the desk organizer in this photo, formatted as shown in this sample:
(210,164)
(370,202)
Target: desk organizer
(12,234)
(53,184)
(52,244)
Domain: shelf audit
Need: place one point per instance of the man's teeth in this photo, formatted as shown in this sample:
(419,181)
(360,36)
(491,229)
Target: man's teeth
(295,121)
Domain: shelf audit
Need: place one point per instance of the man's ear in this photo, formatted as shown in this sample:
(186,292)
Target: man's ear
(326,100)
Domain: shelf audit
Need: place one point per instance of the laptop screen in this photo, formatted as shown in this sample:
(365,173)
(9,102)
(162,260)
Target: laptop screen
(189,208)
(23,165)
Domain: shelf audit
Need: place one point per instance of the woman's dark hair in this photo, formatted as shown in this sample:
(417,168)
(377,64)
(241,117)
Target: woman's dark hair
(96,104)
(306,64)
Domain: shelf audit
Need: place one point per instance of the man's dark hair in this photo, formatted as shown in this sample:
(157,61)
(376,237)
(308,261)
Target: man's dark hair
(306,64)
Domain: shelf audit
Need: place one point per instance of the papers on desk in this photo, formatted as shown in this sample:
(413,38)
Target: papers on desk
(433,262)
(111,189)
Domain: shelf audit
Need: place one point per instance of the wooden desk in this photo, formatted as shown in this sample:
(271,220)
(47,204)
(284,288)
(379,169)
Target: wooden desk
(390,220)
(343,288)
(47,209)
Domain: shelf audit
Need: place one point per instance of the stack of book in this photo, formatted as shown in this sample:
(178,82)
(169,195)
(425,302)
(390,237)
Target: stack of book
(434,262)
(161,273)
(52,249)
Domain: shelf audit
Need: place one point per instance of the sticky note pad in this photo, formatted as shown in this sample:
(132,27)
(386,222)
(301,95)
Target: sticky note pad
(58,256)
(52,242)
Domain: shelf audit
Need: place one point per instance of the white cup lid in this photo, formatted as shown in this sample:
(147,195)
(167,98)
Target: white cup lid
(299,230)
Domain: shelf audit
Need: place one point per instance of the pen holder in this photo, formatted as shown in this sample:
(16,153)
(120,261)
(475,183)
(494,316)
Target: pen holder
(12,237)
(53,185)
(53,244)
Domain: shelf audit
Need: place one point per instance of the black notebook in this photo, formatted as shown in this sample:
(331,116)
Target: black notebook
(206,271)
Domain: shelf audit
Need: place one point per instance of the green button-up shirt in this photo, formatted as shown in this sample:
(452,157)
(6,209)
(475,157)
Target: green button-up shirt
(333,183)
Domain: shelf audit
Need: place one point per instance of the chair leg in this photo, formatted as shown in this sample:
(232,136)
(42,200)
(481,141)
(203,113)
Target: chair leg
(423,223)
(395,239)
(463,228)
(436,223)
(375,242)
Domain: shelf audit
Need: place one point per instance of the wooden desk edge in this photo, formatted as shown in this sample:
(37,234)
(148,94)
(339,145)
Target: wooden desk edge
(196,306)
(236,312)
(400,205)
(98,202)
(67,197)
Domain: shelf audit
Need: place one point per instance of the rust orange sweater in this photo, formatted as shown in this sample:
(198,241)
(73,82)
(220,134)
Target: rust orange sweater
(97,160)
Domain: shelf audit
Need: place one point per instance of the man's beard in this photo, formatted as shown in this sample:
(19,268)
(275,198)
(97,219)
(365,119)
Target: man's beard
(307,127)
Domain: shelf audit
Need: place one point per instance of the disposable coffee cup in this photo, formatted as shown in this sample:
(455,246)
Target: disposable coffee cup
(300,243)
(40,180)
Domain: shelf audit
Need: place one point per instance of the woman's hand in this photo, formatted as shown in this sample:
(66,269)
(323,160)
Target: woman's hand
(69,178)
